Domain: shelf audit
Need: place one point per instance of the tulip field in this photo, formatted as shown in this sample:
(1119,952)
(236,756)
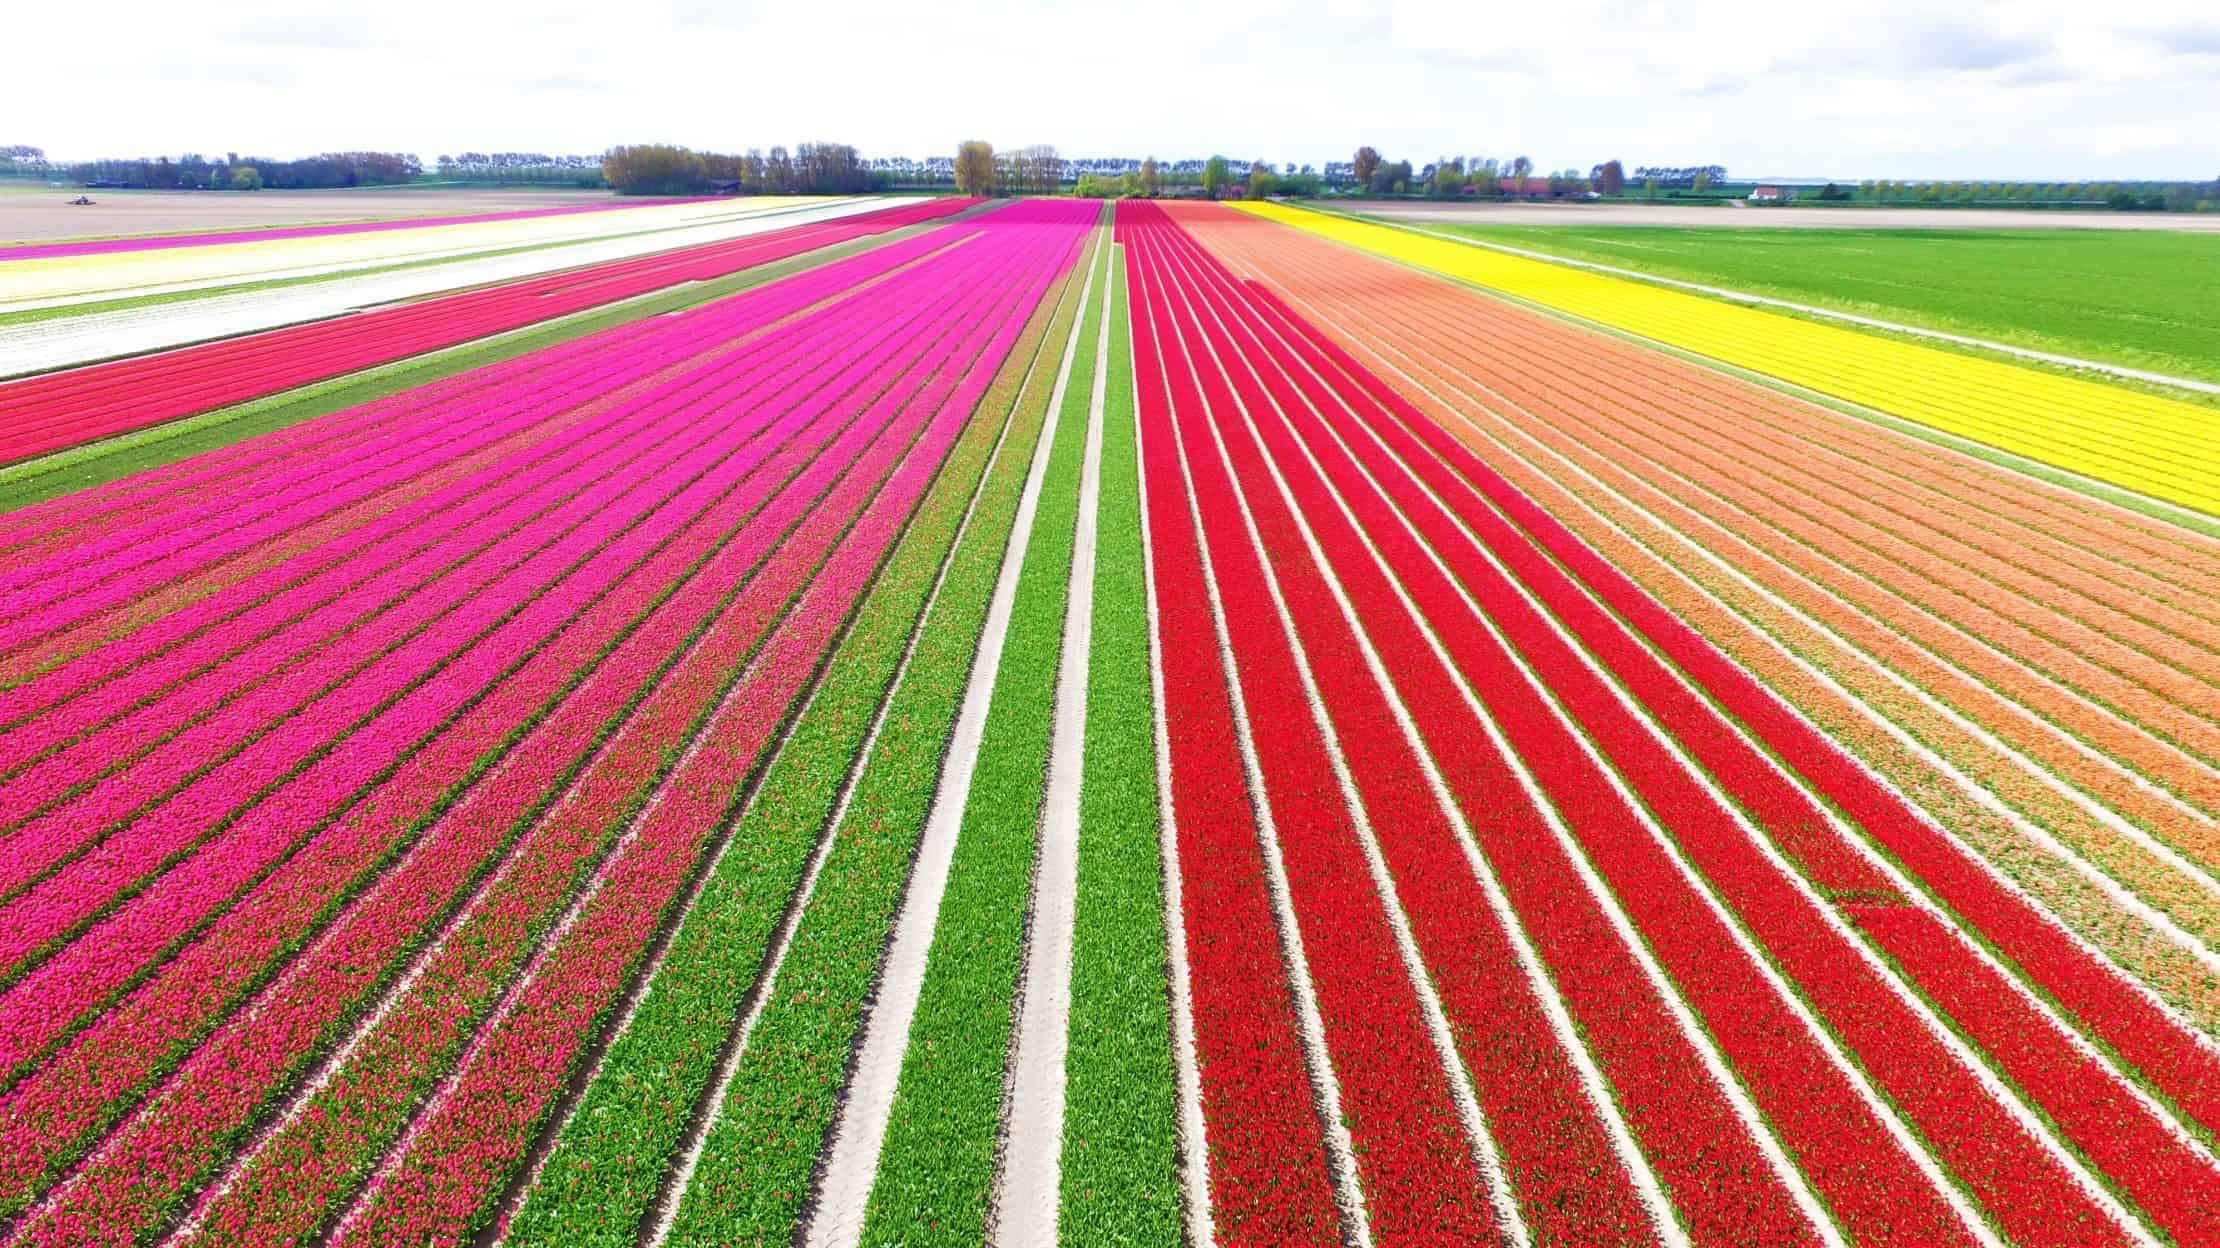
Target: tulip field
(951,721)
(2156,446)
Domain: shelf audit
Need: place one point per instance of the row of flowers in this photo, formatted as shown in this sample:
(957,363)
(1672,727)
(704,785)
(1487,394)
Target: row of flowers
(51,413)
(2024,1189)
(750,454)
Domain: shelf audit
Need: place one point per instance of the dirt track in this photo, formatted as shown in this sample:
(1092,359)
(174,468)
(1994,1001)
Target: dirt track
(1728,216)
(34,216)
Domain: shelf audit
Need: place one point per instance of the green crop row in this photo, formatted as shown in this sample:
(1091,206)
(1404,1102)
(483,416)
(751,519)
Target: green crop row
(771,1122)
(936,1170)
(609,1159)
(1120,1156)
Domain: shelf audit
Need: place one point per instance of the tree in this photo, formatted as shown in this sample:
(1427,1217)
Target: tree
(1703,182)
(1610,178)
(1367,163)
(1649,187)
(655,169)
(1262,181)
(975,167)
(1152,178)
(1449,177)
(1520,169)
(1214,176)
(246,178)
(1130,186)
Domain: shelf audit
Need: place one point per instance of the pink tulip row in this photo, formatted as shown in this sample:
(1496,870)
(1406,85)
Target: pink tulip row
(381,711)
(452,1164)
(148,551)
(275,595)
(187,486)
(68,516)
(111,961)
(183,699)
(440,1009)
(44,414)
(229,1076)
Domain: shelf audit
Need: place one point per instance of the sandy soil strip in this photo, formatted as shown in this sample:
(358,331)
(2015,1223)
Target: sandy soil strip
(1027,1197)
(859,1131)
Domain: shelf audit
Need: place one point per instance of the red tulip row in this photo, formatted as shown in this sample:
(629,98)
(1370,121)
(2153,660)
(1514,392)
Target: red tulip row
(1555,1145)
(45,414)
(2128,1139)
(1445,586)
(1699,1148)
(1412,1155)
(1269,1178)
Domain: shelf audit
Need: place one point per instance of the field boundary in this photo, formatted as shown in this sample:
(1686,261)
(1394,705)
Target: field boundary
(1767,301)
(2089,487)
(82,467)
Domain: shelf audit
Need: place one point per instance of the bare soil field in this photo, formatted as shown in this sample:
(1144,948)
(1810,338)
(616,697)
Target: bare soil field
(46,214)
(1779,218)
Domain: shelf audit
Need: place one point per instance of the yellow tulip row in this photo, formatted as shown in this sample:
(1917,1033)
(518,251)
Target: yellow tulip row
(2155,446)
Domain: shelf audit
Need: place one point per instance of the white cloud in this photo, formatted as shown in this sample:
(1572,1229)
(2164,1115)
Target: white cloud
(2041,89)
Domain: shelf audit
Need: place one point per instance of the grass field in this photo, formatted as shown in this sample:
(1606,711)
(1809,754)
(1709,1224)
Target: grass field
(2139,298)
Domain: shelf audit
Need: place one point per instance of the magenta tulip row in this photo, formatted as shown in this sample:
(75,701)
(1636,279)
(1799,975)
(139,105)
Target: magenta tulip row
(574,709)
(142,834)
(48,413)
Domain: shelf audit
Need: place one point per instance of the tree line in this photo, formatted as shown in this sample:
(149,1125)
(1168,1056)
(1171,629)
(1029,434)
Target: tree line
(193,172)
(810,169)
(978,169)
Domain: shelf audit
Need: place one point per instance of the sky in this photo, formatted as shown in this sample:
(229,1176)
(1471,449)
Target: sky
(1989,89)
